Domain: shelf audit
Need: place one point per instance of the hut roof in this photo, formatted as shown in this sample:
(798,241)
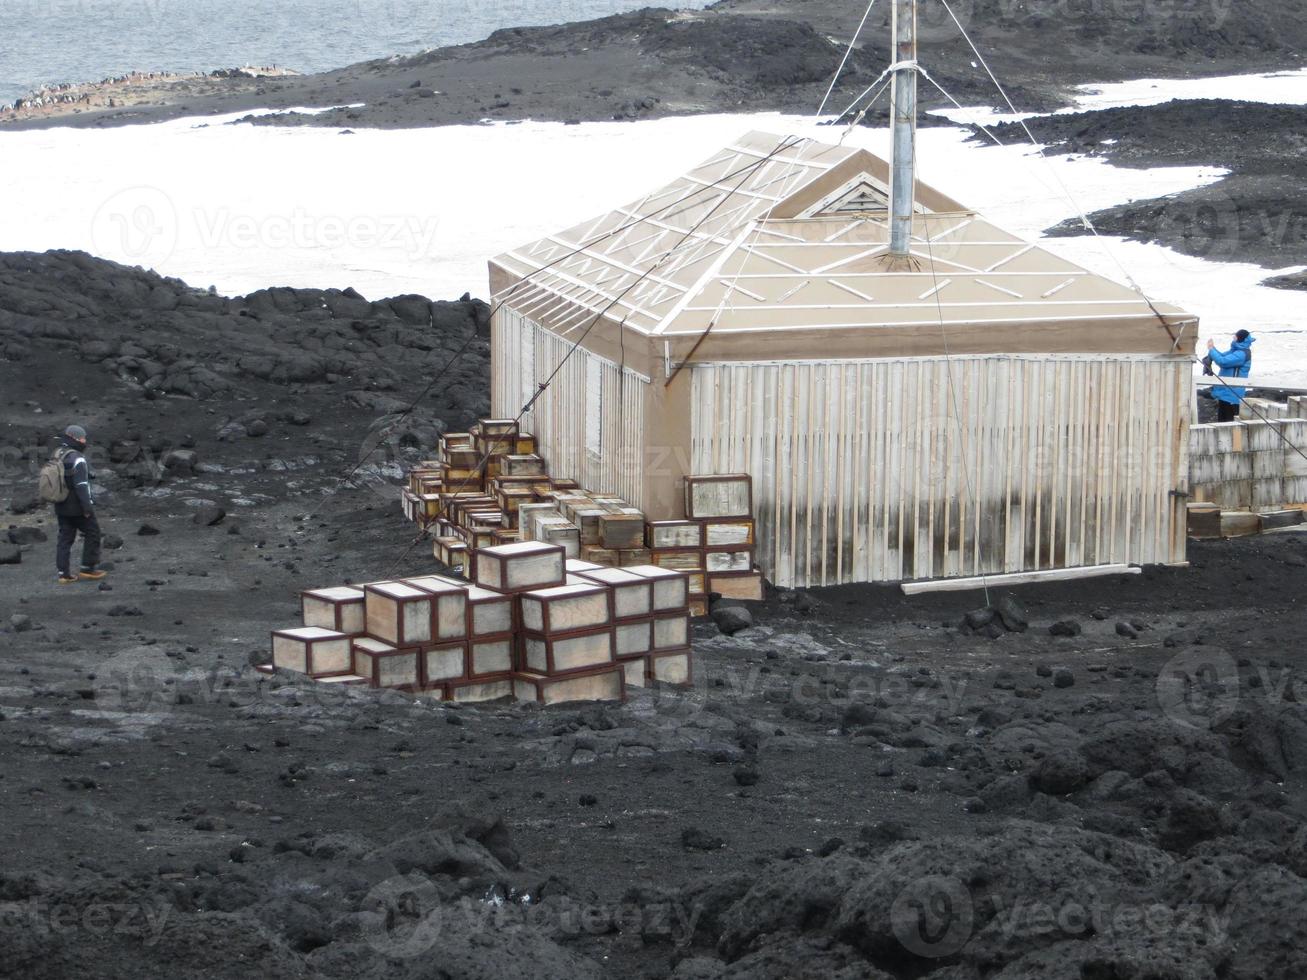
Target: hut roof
(787,234)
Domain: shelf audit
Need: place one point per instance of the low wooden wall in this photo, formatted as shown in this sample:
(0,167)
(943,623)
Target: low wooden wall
(1252,466)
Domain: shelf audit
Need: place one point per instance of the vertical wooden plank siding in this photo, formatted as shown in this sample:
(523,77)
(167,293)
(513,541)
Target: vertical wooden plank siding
(925,467)
(523,354)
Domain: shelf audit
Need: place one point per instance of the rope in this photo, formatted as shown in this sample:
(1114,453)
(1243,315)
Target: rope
(544,385)
(463,348)
(843,61)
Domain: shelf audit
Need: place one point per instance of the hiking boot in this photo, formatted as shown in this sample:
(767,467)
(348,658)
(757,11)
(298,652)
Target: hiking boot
(93,574)
(66,579)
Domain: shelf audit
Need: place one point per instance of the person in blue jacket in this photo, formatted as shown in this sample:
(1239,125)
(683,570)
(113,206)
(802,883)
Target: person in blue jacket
(1236,362)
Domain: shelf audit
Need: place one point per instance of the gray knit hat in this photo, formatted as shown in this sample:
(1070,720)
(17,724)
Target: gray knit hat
(75,432)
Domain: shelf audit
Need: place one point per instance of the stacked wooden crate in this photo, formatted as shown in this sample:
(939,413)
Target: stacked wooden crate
(532,625)
(489,487)
(715,545)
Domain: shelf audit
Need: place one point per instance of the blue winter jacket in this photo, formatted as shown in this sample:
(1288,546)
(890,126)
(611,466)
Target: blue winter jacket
(1237,362)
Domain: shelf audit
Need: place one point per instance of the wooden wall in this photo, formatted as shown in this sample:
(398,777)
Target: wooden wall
(1252,465)
(862,471)
(589,423)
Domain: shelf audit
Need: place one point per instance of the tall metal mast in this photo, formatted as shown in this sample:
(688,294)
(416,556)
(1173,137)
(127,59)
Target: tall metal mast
(903,109)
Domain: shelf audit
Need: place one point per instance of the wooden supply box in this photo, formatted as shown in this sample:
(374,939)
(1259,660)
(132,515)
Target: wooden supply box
(339,608)
(596,684)
(398,613)
(312,650)
(386,666)
(632,593)
(565,608)
(718,495)
(520,567)
(559,653)
(670,587)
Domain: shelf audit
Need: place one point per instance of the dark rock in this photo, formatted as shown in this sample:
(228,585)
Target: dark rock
(24,503)
(147,530)
(1126,630)
(112,542)
(746,776)
(20,622)
(1062,677)
(694,839)
(26,535)
(125,610)
(979,618)
(209,515)
(257,429)
(1060,773)
(1064,627)
(10,554)
(180,461)
(1013,616)
(732,619)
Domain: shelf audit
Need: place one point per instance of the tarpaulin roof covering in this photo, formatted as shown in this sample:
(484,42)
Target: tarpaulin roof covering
(787,234)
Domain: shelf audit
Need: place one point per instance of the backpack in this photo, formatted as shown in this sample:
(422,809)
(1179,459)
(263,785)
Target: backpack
(52,484)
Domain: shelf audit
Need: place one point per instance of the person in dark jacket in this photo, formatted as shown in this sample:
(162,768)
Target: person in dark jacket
(76,512)
(1236,362)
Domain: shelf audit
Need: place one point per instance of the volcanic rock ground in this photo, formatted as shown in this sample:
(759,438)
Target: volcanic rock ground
(860,785)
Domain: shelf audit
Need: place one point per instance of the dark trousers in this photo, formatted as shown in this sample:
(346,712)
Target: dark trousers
(1226,411)
(69,527)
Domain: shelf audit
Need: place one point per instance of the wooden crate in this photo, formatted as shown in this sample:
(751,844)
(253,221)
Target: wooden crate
(674,534)
(448,607)
(632,594)
(312,650)
(636,670)
(718,495)
(564,484)
(671,667)
(736,558)
(603,557)
(737,585)
(633,639)
(520,567)
(495,427)
(339,608)
(512,497)
(385,665)
(680,559)
(475,690)
(565,608)
(525,464)
(398,613)
(698,605)
(576,566)
(524,444)
(728,532)
(670,588)
(633,556)
(492,655)
(558,653)
(587,521)
(489,613)
(443,662)
(559,531)
(671,630)
(504,536)
(698,583)
(527,513)
(598,684)
(1204,520)
(620,531)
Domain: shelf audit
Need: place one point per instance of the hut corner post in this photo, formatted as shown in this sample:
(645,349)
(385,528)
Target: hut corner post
(904,117)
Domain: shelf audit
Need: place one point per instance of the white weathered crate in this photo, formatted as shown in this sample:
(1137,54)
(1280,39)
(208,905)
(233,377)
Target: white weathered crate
(448,608)
(559,531)
(520,566)
(734,559)
(671,631)
(674,534)
(443,662)
(670,588)
(552,654)
(384,665)
(491,656)
(671,667)
(566,608)
(489,613)
(339,608)
(311,650)
(632,593)
(398,613)
(633,639)
(483,689)
(718,495)
(601,684)
(636,670)
(728,532)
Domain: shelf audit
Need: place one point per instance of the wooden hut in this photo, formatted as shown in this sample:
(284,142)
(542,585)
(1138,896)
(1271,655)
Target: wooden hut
(968,404)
